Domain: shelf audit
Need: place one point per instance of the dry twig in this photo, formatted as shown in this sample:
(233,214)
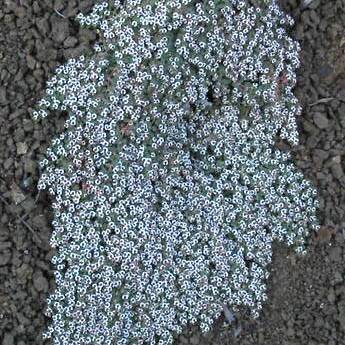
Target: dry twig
(322,100)
(21,220)
(60,14)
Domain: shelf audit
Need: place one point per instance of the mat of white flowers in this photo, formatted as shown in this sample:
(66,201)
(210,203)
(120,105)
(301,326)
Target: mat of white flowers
(167,188)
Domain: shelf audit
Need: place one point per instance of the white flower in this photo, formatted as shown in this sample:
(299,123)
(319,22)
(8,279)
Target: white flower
(193,190)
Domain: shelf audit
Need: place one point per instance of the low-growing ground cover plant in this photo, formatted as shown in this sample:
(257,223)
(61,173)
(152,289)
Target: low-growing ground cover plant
(167,188)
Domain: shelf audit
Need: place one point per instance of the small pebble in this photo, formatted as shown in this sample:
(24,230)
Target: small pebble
(321,120)
(40,282)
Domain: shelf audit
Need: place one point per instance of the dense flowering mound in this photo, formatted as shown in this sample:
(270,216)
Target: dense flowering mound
(168,191)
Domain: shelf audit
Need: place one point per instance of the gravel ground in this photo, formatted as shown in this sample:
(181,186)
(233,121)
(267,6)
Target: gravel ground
(306,303)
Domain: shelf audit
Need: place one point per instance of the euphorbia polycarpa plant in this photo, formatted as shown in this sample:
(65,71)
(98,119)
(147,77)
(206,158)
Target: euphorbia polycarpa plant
(167,188)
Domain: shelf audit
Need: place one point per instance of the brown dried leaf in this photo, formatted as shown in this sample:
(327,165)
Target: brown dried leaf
(324,234)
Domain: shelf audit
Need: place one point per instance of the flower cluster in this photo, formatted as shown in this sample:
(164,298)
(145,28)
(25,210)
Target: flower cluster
(167,188)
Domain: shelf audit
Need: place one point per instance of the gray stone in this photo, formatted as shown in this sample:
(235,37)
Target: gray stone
(195,340)
(183,340)
(290,332)
(43,26)
(337,170)
(341,315)
(28,125)
(60,29)
(20,12)
(85,5)
(335,254)
(8,162)
(320,155)
(23,272)
(22,319)
(8,339)
(76,51)
(29,203)
(31,62)
(321,120)
(59,5)
(341,94)
(71,11)
(325,71)
(5,257)
(336,159)
(331,295)
(44,53)
(40,282)
(38,74)
(39,221)
(22,148)
(30,166)
(5,245)
(17,195)
(87,35)
(309,127)
(70,42)
(3,96)
(338,278)
(35,6)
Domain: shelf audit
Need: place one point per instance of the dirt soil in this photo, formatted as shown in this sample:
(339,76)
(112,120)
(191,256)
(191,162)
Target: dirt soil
(306,303)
